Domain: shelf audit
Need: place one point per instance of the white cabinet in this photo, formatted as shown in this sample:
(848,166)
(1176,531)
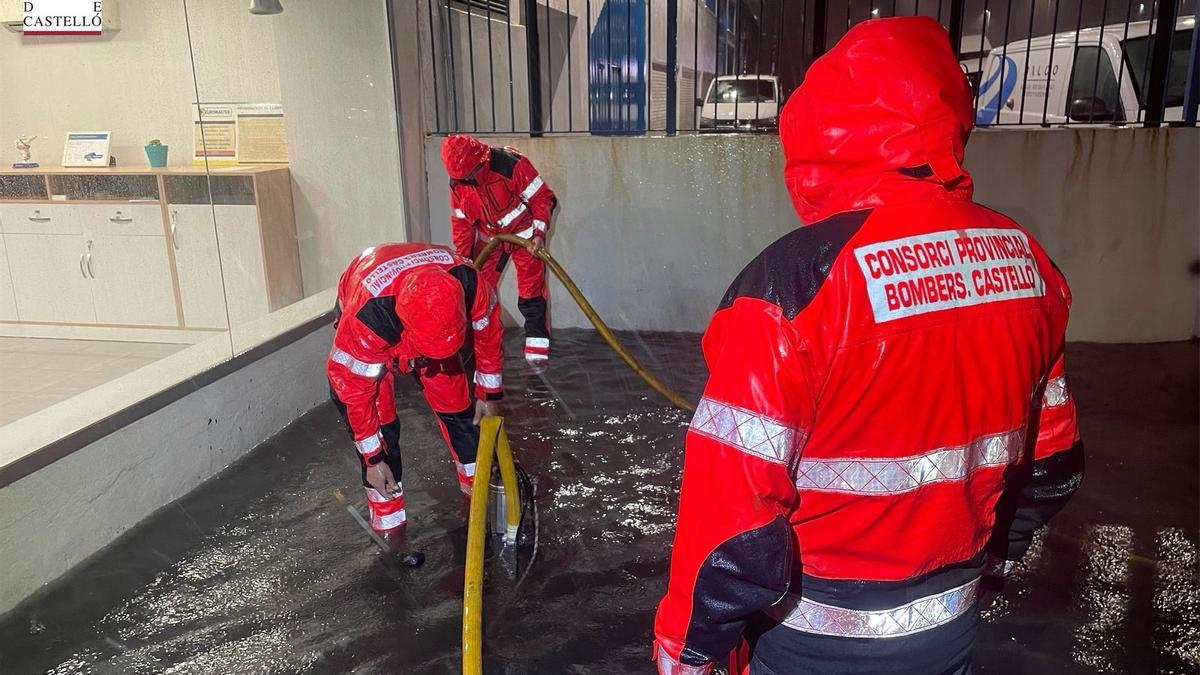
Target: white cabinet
(242,262)
(131,280)
(133,253)
(197,262)
(8,301)
(49,277)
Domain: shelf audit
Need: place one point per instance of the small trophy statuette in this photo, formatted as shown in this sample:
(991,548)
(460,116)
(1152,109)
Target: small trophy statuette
(23,144)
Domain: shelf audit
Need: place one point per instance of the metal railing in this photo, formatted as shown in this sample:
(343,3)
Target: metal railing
(628,67)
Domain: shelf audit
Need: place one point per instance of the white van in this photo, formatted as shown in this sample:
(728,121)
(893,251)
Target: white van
(1099,75)
(740,103)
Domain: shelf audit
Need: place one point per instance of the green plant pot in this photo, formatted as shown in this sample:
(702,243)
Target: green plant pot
(157,155)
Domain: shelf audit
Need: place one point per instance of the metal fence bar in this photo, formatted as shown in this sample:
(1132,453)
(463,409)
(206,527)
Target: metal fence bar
(956,24)
(1003,60)
(696,65)
(570,74)
(1191,95)
(672,65)
(648,14)
(1050,66)
(1096,75)
(453,74)
(1142,89)
(820,14)
(983,52)
(533,61)
(1074,67)
(491,66)
(549,62)
(1164,39)
(512,96)
(1124,60)
(471,57)
(437,113)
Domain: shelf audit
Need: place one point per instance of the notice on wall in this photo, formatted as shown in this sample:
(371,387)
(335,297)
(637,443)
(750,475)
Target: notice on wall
(86,148)
(956,268)
(214,128)
(261,136)
(228,134)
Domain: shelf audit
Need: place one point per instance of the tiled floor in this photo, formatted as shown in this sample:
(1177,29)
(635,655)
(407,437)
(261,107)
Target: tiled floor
(37,373)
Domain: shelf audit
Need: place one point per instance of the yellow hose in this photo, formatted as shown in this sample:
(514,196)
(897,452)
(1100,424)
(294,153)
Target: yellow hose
(493,442)
(601,327)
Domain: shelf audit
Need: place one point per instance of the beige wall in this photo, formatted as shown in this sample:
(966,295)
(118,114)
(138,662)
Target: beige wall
(328,63)
(654,229)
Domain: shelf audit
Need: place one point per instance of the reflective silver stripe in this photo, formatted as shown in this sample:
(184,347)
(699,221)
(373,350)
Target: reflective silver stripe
(512,215)
(370,444)
(481,324)
(458,213)
(467,470)
(532,188)
(902,474)
(746,430)
(1056,394)
(371,370)
(919,615)
(487,380)
(527,232)
(538,343)
(376,497)
(388,521)
(539,225)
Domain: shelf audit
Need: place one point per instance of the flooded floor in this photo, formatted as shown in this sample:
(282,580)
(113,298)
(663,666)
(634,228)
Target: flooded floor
(263,570)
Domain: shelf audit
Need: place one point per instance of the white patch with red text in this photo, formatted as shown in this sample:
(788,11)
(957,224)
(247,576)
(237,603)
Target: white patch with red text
(387,271)
(943,270)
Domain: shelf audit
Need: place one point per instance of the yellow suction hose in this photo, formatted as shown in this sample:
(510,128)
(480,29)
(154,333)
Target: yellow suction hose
(601,327)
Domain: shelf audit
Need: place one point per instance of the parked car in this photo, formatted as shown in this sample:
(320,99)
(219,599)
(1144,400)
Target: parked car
(740,103)
(1099,75)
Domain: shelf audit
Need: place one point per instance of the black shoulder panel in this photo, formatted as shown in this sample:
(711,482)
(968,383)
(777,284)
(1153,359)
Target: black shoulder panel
(789,272)
(503,161)
(469,278)
(379,314)
(744,574)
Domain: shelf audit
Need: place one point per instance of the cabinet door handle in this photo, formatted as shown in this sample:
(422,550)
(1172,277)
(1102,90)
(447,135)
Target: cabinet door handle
(40,219)
(174,226)
(120,219)
(91,272)
(81,272)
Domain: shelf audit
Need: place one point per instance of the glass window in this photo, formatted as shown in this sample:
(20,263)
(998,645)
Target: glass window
(1138,52)
(743,91)
(1093,79)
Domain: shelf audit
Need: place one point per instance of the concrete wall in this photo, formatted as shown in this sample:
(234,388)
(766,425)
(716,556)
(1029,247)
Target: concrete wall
(56,517)
(654,229)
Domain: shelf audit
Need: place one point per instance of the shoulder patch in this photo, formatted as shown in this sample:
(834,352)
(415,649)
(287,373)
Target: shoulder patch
(469,278)
(379,314)
(503,161)
(789,272)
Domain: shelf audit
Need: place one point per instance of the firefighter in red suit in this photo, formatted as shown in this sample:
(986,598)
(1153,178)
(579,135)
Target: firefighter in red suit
(498,191)
(409,308)
(886,415)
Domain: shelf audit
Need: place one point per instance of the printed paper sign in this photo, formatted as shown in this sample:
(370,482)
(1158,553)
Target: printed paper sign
(956,268)
(62,17)
(86,148)
(387,272)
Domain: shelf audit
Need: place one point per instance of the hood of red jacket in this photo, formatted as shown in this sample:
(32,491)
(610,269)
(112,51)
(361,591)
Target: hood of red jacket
(882,118)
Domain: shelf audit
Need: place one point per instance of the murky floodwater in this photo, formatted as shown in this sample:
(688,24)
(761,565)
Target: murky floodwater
(263,570)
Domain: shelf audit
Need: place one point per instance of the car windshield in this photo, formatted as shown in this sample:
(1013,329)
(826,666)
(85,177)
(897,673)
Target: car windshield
(742,91)
(1137,60)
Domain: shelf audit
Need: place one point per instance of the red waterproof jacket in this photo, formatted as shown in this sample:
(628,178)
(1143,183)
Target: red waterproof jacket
(370,338)
(879,378)
(506,196)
